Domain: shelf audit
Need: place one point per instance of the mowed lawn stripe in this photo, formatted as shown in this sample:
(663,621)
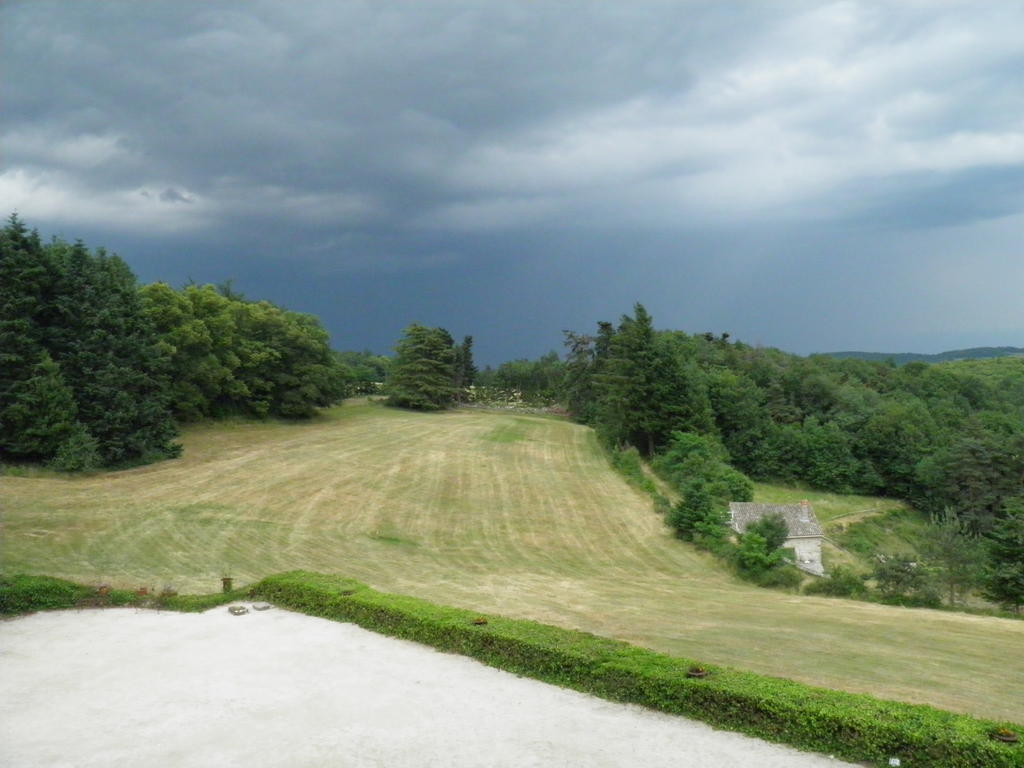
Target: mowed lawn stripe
(494,512)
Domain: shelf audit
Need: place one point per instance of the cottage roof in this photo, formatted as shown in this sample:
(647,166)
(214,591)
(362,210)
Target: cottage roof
(799,518)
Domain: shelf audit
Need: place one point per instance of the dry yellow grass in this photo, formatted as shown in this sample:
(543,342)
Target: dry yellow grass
(490,511)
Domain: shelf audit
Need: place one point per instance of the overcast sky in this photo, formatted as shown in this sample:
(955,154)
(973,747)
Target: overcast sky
(807,175)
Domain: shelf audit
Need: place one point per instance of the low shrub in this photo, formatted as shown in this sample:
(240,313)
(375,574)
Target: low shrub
(198,603)
(852,726)
(840,582)
(780,577)
(25,594)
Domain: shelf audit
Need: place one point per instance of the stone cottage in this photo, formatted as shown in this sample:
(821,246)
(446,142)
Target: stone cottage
(805,534)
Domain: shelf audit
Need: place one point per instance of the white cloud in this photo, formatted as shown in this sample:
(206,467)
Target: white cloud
(823,100)
(55,196)
(82,151)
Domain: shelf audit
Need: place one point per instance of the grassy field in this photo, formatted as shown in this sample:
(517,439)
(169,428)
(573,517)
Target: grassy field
(495,512)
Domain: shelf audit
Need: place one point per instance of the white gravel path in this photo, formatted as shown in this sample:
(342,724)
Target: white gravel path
(126,687)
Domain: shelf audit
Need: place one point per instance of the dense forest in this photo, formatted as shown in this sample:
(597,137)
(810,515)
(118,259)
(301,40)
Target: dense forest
(96,370)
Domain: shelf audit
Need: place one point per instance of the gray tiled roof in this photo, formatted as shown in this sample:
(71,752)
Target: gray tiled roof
(799,517)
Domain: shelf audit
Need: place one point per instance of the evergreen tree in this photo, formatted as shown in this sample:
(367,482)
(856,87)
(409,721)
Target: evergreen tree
(422,371)
(954,552)
(626,413)
(109,355)
(1004,573)
(38,415)
(464,371)
(700,516)
(586,361)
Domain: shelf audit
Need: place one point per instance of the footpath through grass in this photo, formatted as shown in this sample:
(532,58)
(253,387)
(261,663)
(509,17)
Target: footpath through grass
(499,513)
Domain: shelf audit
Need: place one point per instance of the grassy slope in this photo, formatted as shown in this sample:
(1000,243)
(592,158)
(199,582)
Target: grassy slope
(495,512)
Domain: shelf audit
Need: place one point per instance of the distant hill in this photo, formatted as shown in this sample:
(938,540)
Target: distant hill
(902,358)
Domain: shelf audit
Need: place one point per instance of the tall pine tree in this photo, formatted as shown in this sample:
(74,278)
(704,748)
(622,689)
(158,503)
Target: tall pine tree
(464,369)
(109,354)
(37,409)
(423,369)
(1004,574)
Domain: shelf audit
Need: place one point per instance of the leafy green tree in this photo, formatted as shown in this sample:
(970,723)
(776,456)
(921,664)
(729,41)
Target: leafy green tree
(828,461)
(422,370)
(285,361)
(232,356)
(773,529)
(1004,572)
(740,415)
(537,381)
(899,434)
(755,555)
(366,372)
(690,457)
(974,472)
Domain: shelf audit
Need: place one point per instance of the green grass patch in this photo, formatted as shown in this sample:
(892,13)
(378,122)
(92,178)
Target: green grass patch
(509,432)
(894,531)
(853,726)
(827,506)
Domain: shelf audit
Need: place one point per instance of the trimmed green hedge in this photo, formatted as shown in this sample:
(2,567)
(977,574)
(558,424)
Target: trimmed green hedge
(24,594)
(852,726)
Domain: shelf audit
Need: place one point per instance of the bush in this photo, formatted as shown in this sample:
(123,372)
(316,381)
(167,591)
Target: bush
(852,726)
(780,577)
(840,582)
(627,462)
(79,453)
(691,457)
(903,581)
(753,556)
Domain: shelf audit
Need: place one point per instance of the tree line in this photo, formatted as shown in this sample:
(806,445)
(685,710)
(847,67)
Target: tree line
(95,371)
(938,436)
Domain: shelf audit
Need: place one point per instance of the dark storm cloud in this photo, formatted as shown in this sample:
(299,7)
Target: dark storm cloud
(580,155)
